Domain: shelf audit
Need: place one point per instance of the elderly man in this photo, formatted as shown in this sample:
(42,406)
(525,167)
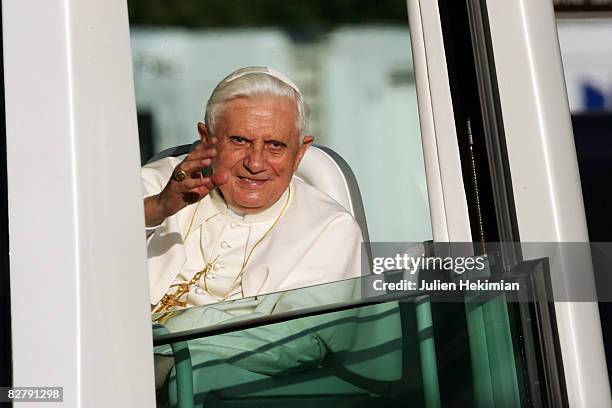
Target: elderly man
(250,227)
(247,228)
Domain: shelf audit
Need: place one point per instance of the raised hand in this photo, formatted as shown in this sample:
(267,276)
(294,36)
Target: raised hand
(186,186)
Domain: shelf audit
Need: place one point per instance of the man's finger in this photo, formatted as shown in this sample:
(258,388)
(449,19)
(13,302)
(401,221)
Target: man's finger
(192,166)
(200,191)
(219,179)
(201,154)
(189,184)
(208,143)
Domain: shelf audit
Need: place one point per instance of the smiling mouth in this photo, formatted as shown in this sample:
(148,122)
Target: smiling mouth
(251,182)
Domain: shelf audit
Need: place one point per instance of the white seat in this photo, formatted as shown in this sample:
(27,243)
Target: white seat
(326,171)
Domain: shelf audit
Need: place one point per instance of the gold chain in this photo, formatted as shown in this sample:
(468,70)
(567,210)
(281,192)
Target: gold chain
(171,300)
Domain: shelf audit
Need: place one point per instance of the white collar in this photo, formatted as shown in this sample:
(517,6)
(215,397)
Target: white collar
(213,205)
(269,213)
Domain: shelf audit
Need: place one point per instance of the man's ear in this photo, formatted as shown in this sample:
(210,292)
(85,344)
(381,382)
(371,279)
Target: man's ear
(203,131)
(306,142)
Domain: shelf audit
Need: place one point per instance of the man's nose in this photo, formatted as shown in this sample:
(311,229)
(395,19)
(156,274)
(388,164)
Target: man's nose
(254,160)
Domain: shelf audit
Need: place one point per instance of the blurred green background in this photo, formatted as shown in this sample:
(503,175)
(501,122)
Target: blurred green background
(321,14)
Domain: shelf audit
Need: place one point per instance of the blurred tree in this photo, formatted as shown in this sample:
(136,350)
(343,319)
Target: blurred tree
(321,14)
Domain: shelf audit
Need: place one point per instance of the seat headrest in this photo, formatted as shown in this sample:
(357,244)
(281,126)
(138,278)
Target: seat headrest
(321,171)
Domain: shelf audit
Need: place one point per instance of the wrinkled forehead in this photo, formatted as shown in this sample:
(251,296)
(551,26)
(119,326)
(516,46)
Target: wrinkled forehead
(266,110)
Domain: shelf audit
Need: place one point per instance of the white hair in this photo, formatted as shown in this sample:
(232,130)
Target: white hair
(255,82)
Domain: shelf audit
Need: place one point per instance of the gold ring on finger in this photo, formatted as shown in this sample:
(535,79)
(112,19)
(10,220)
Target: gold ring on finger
(179,174)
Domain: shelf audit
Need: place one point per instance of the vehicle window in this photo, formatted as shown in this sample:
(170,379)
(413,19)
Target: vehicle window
(353,65)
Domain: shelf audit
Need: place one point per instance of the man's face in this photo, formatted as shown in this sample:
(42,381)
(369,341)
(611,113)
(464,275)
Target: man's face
(260,148)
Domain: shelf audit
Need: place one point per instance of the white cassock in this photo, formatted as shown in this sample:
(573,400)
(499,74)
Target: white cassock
(312,240)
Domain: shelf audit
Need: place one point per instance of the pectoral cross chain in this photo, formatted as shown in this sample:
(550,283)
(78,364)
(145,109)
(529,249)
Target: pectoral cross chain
(173,300)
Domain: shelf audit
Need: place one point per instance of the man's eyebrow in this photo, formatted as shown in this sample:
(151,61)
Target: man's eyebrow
(240,136)
(273,140)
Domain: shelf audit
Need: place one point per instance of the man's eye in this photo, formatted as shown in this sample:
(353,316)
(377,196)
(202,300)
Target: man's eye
(276,145)
(238,139)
